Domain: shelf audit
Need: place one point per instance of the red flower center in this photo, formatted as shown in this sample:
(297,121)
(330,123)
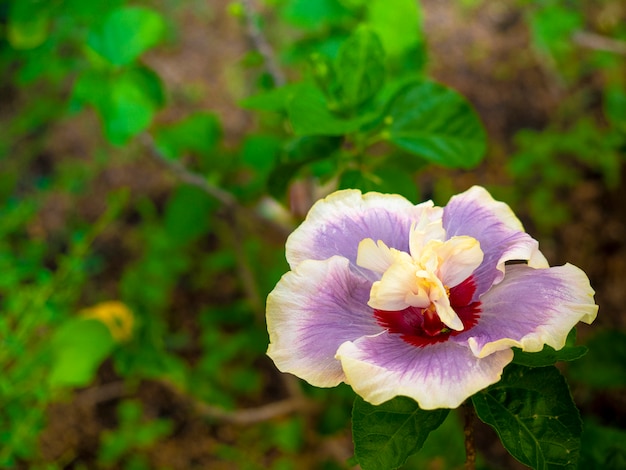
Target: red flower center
(422,326)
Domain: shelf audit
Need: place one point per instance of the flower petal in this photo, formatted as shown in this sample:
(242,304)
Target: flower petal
(499,231)
(374,256)
(460,257)
(441,375)
(337,224)
(530,308)
(311,312)
(398,288)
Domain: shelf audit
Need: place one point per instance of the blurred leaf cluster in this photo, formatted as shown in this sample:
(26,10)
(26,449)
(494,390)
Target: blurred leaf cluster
(586,133)
(166,287)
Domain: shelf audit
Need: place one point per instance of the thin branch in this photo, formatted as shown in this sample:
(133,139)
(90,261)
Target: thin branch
(468,431)
(228,201)
(599,42)
(188,176)
(242,416)
(252,415)
(102,393)
(261,44)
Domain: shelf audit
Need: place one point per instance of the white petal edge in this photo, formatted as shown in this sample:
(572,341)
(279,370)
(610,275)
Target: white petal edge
(340,205)
(376,384)
(299,322)
(554,333)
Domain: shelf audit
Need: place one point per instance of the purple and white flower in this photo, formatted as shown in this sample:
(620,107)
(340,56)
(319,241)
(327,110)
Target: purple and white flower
(417,300)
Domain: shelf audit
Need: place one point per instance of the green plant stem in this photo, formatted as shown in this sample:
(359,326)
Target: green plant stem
(468,431)
(261,44)
(229,203)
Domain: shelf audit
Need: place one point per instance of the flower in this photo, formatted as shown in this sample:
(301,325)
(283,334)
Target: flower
(417,300)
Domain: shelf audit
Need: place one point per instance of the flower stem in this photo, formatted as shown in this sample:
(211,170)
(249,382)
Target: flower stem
(468,431)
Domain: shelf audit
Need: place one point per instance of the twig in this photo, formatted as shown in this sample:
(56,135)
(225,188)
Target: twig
(599,42)
(251,415)
(468,431)
(114,390)
(228,201)
(102,393)
(188,176)
(242,416)
(261,44)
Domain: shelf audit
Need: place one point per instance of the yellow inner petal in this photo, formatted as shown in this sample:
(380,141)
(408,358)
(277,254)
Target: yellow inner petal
(424,277)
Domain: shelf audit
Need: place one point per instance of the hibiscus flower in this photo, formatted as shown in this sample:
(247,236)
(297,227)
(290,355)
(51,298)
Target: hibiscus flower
(417,300)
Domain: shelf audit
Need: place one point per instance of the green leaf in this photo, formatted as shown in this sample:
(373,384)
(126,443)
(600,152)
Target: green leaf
(399,27)
(552,28)
(275,99)
(615,106)
(28,24)
(386,435)
(309,115)
(360,68)
(197,133)
(605,364)
(88,11)
(126,33)
(534,414)
(260,152)
(126,101)
(323,70)
(383,180)
(603,447)
(314,15)
(79,347)
(445,447)
(549,356)
(436,123)
(299,153)
(131,105)
(188,214)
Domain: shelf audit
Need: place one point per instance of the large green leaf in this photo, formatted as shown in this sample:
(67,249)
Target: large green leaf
(615,106)
(603,447)
(552,28)
(28,24)
(436,123)
(360,68)
(309,115)
(314,14)
(126,33)
(188,214)
(399,27)
(275,99)
(534,414)
(605,364)
(78,348)
(297,154)
(386,435)
(197,133)
(386,179)
(126,101)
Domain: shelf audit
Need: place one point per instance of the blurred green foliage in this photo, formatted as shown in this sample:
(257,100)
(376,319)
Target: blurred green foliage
(359,111)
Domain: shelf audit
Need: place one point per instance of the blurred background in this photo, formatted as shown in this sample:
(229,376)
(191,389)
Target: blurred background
(150,174)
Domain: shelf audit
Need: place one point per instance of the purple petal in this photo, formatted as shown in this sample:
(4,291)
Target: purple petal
(441,375)
(337,224)
(530,308)
(500,233)
(311,312)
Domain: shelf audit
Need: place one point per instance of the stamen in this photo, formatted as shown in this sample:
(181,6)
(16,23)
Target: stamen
(422,326)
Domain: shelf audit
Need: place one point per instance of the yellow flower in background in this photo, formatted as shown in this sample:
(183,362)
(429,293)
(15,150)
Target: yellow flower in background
(117,317)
